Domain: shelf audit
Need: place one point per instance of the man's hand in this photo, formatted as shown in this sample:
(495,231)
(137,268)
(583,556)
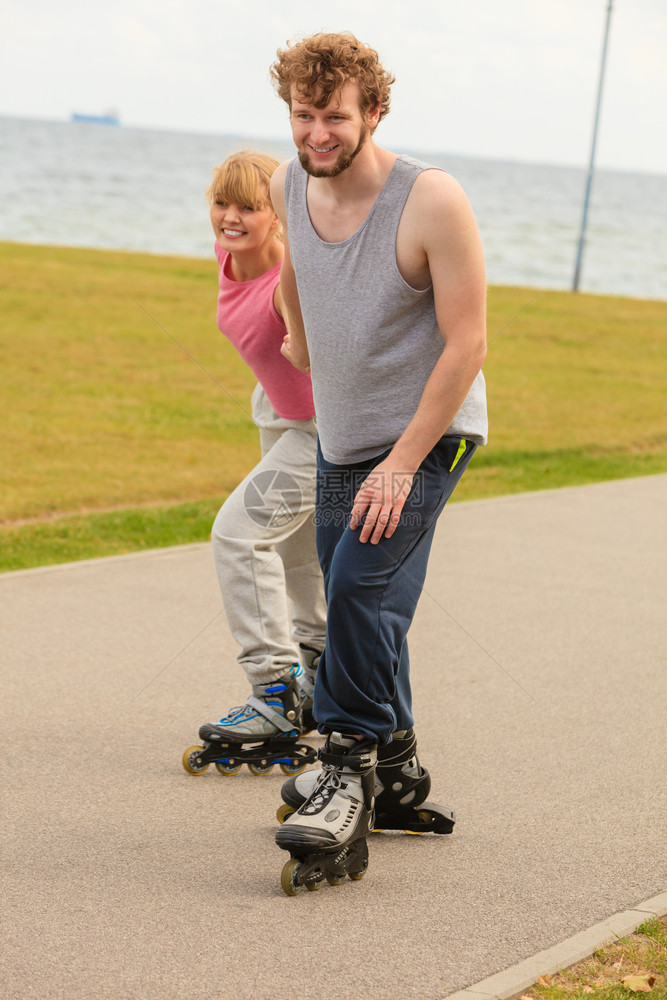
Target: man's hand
(298,359)
(382,494)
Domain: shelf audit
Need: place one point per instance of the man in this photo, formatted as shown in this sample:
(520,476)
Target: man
(383,280)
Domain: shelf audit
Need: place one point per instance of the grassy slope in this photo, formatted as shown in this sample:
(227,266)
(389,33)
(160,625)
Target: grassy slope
(125,417)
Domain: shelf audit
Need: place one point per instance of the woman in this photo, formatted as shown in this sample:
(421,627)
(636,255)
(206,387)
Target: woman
(264,534)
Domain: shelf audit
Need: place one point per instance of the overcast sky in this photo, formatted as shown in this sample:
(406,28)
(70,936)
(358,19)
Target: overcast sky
(509,80)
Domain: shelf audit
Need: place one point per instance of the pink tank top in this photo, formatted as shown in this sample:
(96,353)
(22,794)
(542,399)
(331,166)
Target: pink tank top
(248,318)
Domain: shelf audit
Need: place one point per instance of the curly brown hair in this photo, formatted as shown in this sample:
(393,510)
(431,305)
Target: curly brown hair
(320,65)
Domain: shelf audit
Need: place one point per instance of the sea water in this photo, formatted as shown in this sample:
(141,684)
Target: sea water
(83,184)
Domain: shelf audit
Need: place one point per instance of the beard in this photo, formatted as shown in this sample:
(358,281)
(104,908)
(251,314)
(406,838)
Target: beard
(342,163)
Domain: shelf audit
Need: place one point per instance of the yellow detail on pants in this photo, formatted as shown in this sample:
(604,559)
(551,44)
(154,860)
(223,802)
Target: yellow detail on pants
(459,454)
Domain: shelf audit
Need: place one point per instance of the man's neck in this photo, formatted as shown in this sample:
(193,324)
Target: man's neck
(363,179)
(339,205)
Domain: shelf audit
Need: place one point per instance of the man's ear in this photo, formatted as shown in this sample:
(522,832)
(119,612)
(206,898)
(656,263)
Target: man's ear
(373,116)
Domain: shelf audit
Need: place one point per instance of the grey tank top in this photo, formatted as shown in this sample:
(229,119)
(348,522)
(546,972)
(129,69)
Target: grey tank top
(373,340)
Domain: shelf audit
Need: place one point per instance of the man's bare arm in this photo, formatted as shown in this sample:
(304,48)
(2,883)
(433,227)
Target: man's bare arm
(450,239)
(295,347)
(456,263)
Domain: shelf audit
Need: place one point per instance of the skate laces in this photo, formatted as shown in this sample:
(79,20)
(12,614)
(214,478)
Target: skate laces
(236,714)
(327,786)
(240,713)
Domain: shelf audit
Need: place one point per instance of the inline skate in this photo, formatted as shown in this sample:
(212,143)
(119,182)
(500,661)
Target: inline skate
(326,835)
(310,657)
(401,789)
(263,732)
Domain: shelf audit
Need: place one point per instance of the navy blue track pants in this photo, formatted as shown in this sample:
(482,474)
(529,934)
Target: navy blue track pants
(363,679)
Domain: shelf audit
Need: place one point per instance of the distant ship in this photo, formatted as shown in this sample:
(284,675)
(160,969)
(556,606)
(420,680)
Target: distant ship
(108,118)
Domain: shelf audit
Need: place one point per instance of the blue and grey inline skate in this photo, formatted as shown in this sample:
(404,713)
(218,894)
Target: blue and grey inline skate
(402,786)
(310,657)
(263,732)
(326,835)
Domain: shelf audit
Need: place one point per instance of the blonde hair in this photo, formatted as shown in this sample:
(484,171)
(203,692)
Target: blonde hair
(243,179)
(320,65)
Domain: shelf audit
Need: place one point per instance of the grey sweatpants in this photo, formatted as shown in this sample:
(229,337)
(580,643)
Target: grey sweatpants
(264,549)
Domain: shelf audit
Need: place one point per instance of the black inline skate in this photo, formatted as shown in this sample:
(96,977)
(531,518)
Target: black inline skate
(326,836)
(263,732)
(401,789)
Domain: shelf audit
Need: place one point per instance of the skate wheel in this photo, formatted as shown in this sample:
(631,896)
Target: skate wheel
(335,879)
(288,877)
(228,767)
(284,811)
(189,761)
(313,886)
(260,769)
(294,767)
(424,816)
(355,876)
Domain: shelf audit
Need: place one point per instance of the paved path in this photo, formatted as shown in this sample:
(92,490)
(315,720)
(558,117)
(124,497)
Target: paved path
(539,682)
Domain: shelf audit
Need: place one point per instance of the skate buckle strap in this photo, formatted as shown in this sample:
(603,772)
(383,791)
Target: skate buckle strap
(350,760)
(270,713)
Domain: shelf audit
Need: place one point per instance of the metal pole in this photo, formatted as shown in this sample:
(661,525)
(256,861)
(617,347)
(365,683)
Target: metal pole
(591,166)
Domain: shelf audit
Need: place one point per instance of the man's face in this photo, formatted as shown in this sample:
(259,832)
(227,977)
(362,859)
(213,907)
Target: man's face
(328,139)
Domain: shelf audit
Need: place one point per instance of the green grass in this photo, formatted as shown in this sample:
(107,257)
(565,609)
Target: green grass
(639,960)
(110,533)
(126,415)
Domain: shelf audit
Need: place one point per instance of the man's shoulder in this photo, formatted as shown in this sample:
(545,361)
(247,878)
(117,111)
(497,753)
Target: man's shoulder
(417,164)
(277,184)
(281,170)
(436,207)
(434,186)
(429,179)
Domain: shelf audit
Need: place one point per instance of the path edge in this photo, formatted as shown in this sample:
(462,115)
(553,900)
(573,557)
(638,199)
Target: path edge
(518,978)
